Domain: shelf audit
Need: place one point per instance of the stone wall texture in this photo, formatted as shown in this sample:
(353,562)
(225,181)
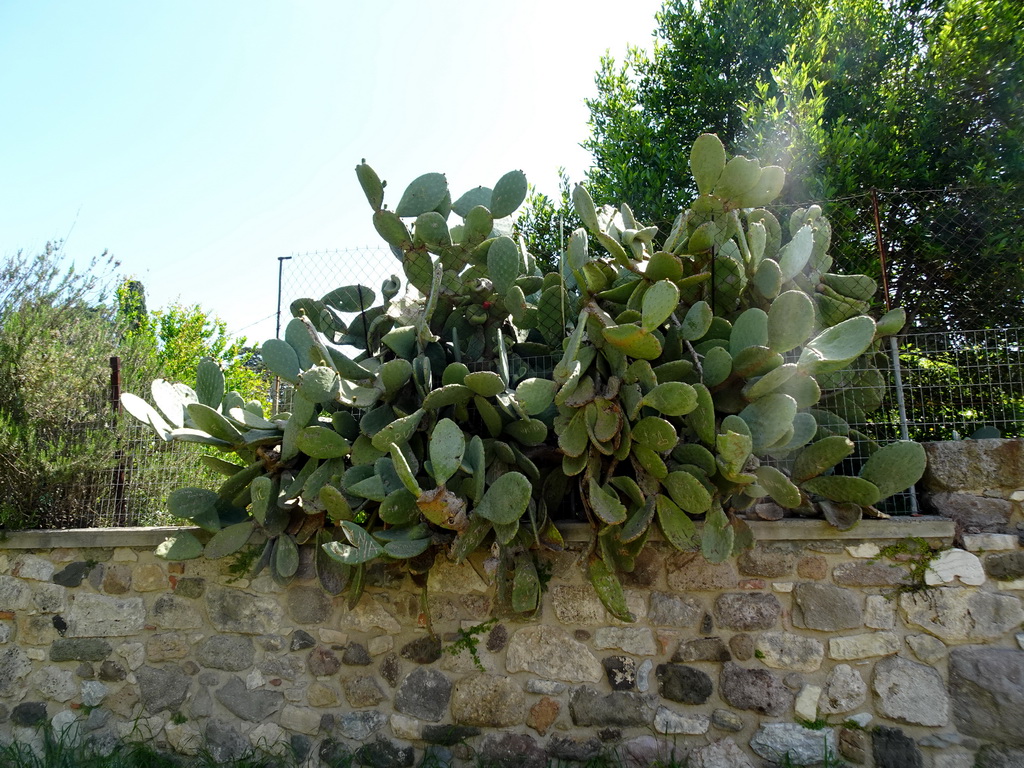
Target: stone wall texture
(726,666)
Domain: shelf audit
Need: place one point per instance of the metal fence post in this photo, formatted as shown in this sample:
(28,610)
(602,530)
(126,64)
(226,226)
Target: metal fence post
(893,345)
(121,469)
(277,330)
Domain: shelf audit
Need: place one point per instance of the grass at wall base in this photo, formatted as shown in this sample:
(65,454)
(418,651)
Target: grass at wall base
(655,380)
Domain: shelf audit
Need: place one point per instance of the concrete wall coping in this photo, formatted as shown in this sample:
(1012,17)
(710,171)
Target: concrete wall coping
(923,526)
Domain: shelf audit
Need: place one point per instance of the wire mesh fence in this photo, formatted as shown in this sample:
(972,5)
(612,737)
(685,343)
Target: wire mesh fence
(950,257)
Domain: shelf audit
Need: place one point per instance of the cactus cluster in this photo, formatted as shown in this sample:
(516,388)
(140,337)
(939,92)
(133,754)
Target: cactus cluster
(694,376)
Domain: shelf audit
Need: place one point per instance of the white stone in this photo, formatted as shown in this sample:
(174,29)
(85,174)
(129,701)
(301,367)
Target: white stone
(380,644)
(15,594)
(552,653)
(332,636)
(6,631)
(783,586)
(132,653)
(719,754)
(31,739)
(183,738)
(867,550)
(844,690)
(67,728)
(300,719)
(863,646)
(806,705)
(861,718)
(1007,585)
(369,615)
(879,613)
(142,728)
(269,737)
(669,722)
(406,727)
(254,680)
(33,567)
(1020,640)
(1017,496)
(952,564)
(36,654)
(638,641)
(909,692)
(93,615)
(54,683)
(989,542)
(960,614)
(5,564)
(124,555)
(784,650)
(545,687)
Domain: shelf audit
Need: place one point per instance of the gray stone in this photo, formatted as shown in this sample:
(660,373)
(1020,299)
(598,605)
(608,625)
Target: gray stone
(987,689)
(286,667)
(552,653)
(29,713)
(15,595)
(702,649)
(684,684)
(1007,566)
(719,754)
(512,750)
(190,588)
(223,742)
(928,649)
(422,650)
(93,693)
(757,690)
(50,598)
(973,514)
(799,745)
(384,753)
(255,706)
(356,655)
(671,723)
(880,612)
(323,662)
(745,611)
(690,572)
(232,610)
(308,605)
(72,574)
(894,749)
(488,701)
(101,616)
(621,672)
(645,751)
(172,612)
(622,709)
(162,688)
(226,652)
(301,639)
(909,692)
(75,649)
(497,639)
(390,669)
(725,720)
(85,670)
(854,744)
(871,574)
(362,691)
(962,615)
(987,464)
(674,611)
(545,687)
(643,674)
(844,691)
(110,672)
(996,756)
(825,607)
(424,693)
(448,735)
(359,725)
(576,750)
(784,650)
(766,563)
(742,646)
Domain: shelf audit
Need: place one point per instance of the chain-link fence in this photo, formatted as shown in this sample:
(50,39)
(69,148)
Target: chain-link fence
(951,258)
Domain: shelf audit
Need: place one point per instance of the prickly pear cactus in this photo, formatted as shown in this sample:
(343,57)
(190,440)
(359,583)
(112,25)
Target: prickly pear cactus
(691,378)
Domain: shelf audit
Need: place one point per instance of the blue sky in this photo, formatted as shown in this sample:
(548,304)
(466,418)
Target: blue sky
(200,141)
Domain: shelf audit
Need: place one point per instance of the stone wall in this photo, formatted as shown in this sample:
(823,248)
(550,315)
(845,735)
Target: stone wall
(895,666)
